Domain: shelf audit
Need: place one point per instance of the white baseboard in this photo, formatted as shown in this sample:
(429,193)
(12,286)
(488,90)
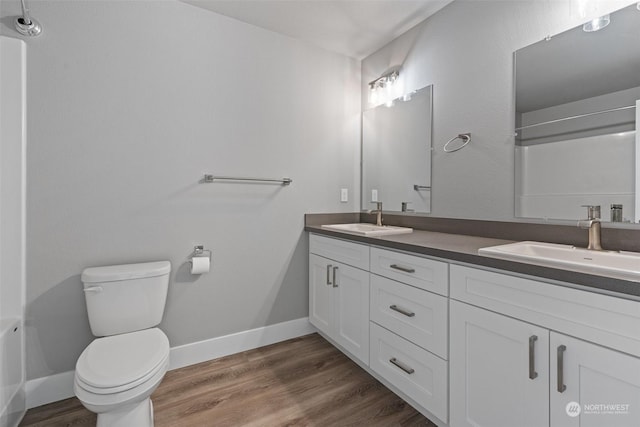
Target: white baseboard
(201,351)
(53,388)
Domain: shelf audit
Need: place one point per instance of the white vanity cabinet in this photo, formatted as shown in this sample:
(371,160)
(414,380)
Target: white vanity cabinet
(339,293)
(409,334)
(522,368)
(469,347)
(388,310)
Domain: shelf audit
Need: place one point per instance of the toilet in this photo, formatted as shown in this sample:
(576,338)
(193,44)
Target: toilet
(117,373)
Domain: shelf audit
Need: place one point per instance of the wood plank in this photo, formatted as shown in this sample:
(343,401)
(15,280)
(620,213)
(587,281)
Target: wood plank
(300,382)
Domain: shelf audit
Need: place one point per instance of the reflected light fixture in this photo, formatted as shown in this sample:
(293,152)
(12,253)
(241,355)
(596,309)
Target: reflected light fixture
(382,90)
(596,24)
(587,10)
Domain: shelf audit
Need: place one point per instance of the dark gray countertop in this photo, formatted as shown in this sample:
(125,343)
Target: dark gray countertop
(464,248)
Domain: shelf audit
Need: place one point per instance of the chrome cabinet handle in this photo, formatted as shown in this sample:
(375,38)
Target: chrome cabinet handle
(402,310)
(402,366)
(532,357)
(335,280)
(561,386)
(329,275)
(402,268)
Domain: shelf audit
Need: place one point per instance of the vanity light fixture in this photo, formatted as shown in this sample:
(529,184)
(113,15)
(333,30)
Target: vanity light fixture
(383,89)
(384,80)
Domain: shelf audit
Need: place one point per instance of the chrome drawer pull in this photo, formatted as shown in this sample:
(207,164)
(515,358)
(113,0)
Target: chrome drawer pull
(402,366)
(561,386)
(401,268)
(532,357)
(335,279)
(329,274)
(402,310)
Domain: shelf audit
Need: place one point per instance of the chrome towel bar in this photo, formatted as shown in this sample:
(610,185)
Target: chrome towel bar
(213,178)
(579,116)
(418,187)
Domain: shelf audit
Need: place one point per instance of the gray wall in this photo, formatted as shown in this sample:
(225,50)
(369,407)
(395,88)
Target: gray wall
(466,52)
(129,104)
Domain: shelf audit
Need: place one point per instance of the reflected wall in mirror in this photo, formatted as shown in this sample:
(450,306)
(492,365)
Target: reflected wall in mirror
(576,112)
(396,154)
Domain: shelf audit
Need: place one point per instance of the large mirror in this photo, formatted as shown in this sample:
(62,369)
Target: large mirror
(396,154)
(576,112)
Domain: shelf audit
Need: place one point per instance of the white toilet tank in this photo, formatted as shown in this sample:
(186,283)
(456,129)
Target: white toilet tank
(125,298)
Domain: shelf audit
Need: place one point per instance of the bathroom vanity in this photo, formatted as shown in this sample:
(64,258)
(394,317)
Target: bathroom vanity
(474,341)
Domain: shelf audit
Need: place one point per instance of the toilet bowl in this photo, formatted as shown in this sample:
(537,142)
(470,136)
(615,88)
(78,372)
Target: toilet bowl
(117,373)
(115,377)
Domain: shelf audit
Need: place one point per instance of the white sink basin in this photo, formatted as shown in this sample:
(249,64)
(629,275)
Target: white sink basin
(625,265)
(368,229)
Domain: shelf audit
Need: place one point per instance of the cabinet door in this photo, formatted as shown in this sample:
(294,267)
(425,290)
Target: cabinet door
(351,310)
(320,293)
(592,386)
(499,373)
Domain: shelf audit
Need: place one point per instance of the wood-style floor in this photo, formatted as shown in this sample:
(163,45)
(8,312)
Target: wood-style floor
(300,382)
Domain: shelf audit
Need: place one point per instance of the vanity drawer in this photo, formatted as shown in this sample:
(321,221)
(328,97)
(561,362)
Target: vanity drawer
(416,315)
(349,253)
(609,321)
(419,374)
(420,272)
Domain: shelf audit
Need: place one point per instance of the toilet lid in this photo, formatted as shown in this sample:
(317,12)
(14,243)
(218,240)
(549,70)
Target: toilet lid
(122,361)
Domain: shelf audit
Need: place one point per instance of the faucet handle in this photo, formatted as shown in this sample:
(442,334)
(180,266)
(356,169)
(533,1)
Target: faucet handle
(593,211)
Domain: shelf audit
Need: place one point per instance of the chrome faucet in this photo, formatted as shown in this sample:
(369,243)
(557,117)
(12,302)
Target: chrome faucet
(378,211)
(593,224)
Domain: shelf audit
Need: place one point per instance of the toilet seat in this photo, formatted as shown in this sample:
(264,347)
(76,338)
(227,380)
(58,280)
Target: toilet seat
(119,363)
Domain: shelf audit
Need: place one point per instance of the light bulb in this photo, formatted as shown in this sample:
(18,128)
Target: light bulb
(373,96)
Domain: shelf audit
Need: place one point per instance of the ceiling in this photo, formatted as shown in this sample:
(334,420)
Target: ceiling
(355,28)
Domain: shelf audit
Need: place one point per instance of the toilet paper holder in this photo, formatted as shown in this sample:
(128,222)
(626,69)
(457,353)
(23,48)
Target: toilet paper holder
(200,260)
(200,251)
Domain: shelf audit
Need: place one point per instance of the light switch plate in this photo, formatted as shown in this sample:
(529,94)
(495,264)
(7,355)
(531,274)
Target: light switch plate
(374,195)
(344,195)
